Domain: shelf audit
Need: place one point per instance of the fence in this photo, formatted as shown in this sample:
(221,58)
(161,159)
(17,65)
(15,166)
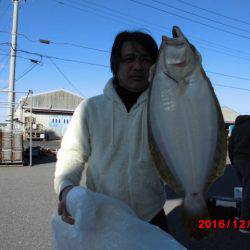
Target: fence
(11,143)
(11,137)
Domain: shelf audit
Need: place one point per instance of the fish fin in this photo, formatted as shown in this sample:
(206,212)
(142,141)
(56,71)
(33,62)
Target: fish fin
(195,212)
(219,161)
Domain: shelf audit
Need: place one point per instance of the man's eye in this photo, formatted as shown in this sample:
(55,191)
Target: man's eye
(128,59)
(146,59)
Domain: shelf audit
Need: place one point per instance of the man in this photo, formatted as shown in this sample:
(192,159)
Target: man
(108,135)
(239,154)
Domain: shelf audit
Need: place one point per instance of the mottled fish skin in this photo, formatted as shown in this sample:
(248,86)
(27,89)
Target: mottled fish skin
(187,135)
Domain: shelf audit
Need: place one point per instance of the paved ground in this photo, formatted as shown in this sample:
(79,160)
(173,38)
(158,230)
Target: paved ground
(27,201)
(221,238)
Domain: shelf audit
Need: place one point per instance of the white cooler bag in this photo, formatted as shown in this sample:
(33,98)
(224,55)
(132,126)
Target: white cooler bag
(104,223)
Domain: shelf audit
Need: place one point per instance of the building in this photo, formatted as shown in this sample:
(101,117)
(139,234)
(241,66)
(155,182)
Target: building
(51,112)
(229,115)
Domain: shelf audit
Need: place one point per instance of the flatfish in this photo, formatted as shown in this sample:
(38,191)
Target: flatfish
(187,135)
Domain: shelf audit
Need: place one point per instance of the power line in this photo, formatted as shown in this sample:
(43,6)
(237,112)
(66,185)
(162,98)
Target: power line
(63,59)
(106,51)
(20,34)
(118,14)
(159,28)
(54,42)
(220,85)
(26,37)
(91,11)
(231,87)
(66,78)
(26,72)
(5,43)
(78,46)
(213,12)
(5,61)
(22,57)
(225,53)
(212,44)
(124,15)
(57,58)
(115,11)
(230,76)
(106,66)
(189,19)
(202,17)
(85,47)
(6,9)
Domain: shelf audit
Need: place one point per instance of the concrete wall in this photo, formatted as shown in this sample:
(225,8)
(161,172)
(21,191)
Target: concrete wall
(54,124)
(44,105)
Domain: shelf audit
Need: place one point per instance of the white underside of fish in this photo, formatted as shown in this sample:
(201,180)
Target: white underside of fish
(184,124)
(186,130)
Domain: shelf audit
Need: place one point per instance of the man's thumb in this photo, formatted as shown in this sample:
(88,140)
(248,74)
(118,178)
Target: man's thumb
(151,73)
(60,208)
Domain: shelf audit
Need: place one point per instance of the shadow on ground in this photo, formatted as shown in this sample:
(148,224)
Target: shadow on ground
(41,158)
(43,151)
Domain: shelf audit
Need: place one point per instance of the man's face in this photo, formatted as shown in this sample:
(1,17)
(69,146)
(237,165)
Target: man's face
(134,67)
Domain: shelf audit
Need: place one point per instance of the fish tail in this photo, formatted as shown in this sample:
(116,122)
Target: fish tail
(195,214)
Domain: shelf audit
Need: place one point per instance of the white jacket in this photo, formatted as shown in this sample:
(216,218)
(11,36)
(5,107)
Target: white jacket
(113,145)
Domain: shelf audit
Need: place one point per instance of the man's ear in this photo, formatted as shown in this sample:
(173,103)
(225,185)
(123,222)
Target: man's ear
(151,73)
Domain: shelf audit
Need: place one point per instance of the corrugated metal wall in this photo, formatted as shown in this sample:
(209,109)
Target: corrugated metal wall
(55,100)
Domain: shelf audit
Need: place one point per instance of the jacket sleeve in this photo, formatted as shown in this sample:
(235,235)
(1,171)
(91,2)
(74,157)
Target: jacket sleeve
(74,150)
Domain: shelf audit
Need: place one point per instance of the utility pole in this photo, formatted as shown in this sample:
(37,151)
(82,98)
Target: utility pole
(11,96)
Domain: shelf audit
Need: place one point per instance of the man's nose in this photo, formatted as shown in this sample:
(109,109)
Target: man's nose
(137,64)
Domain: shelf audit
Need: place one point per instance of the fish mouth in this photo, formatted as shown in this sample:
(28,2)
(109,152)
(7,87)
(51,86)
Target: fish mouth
(176,32)
(177,39)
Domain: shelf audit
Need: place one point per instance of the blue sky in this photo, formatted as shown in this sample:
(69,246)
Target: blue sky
(70,25)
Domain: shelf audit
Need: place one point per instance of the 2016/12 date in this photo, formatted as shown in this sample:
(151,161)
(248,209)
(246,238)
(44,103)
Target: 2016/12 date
(237,224)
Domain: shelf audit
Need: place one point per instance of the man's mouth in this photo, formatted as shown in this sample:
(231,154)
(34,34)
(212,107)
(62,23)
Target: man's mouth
(137,77)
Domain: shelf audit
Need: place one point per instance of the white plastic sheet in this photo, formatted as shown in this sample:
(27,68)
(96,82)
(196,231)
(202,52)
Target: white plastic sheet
(104,223)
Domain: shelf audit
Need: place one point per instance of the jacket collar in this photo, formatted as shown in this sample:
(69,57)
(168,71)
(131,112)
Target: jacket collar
(110,92)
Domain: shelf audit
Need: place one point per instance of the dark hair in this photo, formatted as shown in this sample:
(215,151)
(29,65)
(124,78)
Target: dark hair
(241,119)
(138,37)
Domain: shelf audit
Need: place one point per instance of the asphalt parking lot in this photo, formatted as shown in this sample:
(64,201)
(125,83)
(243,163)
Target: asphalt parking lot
(27,201)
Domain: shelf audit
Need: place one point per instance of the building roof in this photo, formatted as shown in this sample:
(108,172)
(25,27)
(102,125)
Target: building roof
(53,100)
(229,114)
(65,101)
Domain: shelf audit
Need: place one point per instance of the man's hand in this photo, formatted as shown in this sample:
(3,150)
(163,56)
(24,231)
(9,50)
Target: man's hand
(62,210)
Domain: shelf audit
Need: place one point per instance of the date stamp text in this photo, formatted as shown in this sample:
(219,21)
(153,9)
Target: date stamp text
(221,224)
